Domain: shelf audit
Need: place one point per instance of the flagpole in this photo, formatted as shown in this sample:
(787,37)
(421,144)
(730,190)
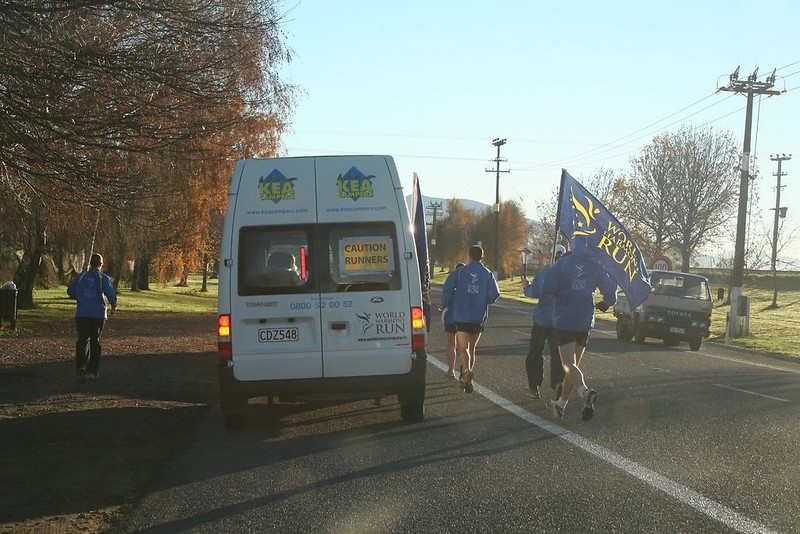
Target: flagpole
(558,216)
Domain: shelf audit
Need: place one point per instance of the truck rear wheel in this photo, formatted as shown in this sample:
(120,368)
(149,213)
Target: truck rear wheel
(620,329)
(695,342)
(639,335)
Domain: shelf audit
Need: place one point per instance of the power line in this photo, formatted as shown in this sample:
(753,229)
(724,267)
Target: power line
(580,158)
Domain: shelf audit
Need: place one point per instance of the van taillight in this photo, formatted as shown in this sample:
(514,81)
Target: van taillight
(224,336)
(417,329)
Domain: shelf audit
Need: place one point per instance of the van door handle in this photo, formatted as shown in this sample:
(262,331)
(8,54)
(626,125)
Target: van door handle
(338,326)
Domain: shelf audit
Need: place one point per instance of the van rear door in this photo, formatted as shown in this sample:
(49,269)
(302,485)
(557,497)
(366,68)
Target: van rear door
(365,295)
(275,305)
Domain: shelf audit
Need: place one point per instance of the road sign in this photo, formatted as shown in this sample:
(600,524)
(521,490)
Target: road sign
(662,263)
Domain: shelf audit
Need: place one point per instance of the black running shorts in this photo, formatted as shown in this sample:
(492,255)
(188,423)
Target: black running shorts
(470,328)
(571,336)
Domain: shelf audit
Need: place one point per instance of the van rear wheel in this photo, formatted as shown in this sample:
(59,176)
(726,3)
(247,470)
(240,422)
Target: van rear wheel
(236,413)
(235,419)
(412,413)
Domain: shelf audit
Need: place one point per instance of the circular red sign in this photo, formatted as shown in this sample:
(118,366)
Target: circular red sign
(662,263)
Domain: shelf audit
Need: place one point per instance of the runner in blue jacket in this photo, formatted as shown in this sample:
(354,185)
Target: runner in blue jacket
(88,289)
(470,293)
(450,325)
(541,331)
(572,281)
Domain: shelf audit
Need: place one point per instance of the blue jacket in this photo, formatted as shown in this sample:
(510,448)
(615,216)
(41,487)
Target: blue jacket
(448,313)
(88,288)
(470,293)
(572,281)
(543,311)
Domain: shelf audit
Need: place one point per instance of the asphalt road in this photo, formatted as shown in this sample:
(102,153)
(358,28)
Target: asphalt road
(682,441)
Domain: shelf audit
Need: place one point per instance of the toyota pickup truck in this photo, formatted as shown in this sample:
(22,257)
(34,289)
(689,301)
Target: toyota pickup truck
(678,309)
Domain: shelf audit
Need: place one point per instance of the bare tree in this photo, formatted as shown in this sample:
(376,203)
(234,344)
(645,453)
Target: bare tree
(682,189)
(651,196)
(703,170)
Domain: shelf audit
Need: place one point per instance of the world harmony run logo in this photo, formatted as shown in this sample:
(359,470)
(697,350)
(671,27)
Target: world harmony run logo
(583,216)
(276,187)
(613,240)
(354,184)
(366,322)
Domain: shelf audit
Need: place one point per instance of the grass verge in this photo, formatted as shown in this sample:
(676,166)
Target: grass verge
(51,304)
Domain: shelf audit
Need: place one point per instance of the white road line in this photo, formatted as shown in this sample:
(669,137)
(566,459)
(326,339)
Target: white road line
(752,393)
(681,493)
(513,309)
(754,364)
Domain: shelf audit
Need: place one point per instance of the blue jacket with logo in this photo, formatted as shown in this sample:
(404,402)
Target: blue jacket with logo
(88,288)
(448,312)
(470,293)
(572,281)
(544,309)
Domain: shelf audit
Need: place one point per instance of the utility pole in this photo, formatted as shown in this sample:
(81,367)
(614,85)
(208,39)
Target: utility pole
(749,87)
(498,143)
(779,212)
(433,209)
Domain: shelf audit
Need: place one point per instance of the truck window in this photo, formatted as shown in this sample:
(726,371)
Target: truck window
(678,285)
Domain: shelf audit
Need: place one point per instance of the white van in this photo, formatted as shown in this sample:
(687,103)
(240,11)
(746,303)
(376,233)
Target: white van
(319,286)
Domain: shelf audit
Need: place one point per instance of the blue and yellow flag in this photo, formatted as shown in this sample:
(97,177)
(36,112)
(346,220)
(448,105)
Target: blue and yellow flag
(580,214)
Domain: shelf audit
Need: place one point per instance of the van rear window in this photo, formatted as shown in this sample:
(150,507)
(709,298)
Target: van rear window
(362,257)
(274,260)
(341,257)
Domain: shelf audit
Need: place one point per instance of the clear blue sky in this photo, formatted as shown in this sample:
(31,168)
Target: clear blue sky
(576,85)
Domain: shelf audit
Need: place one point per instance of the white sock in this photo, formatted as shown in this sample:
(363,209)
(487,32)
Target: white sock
(582,390)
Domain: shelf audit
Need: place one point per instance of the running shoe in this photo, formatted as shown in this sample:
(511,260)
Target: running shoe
(555,409)
(80,378)
(469,374)
(588,404)
(559,387)
(533,393)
